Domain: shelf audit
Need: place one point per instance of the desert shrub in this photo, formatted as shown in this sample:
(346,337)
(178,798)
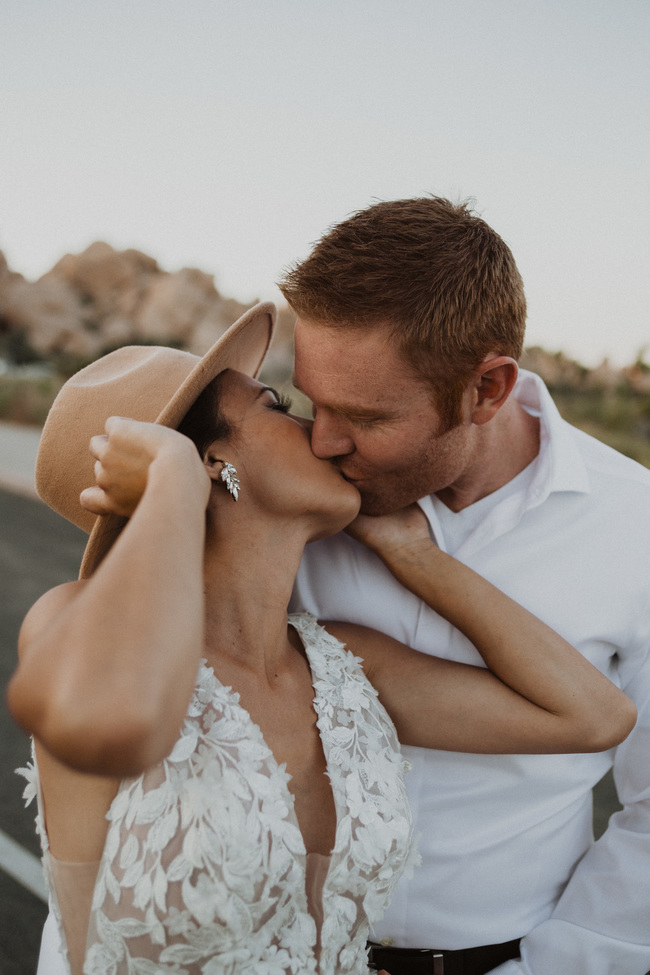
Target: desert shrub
(27,399)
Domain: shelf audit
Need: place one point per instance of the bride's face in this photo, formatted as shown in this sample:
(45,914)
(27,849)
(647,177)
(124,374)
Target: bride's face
(275,460)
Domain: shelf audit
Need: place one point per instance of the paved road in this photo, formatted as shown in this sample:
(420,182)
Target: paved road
(18,447)
(37,551)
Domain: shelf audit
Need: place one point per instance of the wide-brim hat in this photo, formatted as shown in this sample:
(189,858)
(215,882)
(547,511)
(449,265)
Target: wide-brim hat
(150,383)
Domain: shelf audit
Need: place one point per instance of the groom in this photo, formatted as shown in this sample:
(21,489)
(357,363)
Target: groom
(411,319)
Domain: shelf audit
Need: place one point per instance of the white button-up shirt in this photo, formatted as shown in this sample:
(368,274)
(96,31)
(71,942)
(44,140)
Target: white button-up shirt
(507,841)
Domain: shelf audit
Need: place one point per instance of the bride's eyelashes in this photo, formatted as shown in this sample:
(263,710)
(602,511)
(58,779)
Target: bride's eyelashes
(283,403)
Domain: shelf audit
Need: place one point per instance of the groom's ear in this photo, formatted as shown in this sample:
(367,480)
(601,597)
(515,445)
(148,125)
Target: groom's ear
(493,382)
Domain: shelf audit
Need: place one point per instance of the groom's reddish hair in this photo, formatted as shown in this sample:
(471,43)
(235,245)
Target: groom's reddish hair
(433,272)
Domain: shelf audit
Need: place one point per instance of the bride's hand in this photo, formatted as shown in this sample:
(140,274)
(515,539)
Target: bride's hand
(123,459)
(390,535)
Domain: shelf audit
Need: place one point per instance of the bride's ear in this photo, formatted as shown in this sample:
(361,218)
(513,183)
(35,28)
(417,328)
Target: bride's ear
(222,470)
(213,465)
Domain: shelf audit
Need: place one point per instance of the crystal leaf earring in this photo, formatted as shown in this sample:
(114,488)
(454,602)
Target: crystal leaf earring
(230,479)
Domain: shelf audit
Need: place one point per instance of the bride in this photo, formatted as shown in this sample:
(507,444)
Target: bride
(219,787)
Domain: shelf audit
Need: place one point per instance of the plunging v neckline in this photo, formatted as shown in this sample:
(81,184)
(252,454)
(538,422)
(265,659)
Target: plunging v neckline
(281,767)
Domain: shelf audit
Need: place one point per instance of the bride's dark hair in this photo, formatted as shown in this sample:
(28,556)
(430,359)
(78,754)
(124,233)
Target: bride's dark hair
(205,420)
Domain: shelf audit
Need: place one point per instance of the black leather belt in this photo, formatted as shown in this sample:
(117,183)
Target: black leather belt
(429,961)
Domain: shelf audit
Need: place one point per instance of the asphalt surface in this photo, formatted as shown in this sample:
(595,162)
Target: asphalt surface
(38,550)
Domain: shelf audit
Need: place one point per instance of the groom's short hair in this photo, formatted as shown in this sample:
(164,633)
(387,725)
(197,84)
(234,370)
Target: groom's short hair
(433,272)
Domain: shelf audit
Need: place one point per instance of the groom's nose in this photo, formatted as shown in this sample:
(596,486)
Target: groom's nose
(329,437)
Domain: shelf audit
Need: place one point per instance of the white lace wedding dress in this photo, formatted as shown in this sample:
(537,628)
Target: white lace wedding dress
(204,866)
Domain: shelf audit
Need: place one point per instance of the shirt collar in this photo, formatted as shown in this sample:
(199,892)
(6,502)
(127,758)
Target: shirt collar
(560,464)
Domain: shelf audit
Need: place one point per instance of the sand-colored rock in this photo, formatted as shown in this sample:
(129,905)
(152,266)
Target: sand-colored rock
(175,305)
(103,298)
(638,377)
(51,316)
(109,280)
(555,368)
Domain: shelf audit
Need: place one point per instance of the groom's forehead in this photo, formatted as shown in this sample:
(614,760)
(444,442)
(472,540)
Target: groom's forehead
(355,360)
(350,349)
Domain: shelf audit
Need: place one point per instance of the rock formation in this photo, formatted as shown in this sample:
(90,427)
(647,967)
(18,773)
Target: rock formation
(102,298)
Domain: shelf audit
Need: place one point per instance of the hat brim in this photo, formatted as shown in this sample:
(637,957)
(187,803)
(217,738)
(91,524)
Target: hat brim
(243,347)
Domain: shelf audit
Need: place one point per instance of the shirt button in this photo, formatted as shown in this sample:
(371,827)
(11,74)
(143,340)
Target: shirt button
(386,942)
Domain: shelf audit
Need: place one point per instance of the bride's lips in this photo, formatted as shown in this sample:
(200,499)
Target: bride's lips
(349,478)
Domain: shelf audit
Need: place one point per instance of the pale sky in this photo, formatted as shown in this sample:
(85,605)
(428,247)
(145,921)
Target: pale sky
(229,134)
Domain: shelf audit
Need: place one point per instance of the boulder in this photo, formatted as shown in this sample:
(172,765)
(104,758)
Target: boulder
(102,298)
(107,279)
(50,315)
(175,304)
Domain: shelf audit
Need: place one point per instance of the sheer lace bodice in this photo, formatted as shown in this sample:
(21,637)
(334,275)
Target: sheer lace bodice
(204,866)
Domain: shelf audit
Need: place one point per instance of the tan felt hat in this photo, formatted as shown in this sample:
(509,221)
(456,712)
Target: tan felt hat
(149,383)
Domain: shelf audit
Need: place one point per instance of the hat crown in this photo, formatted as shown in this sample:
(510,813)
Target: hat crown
(134,381)
(118,365)
(148,383)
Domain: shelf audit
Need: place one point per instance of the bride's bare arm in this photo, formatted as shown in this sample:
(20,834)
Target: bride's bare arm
(539,695)
(101,660)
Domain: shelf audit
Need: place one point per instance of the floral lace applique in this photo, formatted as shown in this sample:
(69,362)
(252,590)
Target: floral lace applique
(203,869)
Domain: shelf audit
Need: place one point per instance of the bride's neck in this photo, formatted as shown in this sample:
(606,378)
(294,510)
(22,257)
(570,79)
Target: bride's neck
(249,576)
